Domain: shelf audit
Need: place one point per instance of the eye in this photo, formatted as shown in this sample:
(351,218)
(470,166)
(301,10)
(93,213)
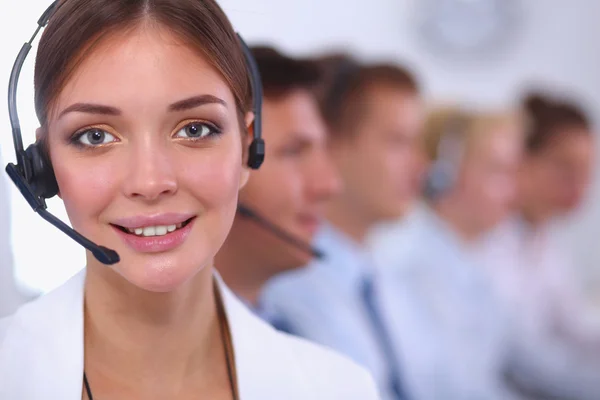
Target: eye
(197,130)
(292,151)
(295,148)
(94,137)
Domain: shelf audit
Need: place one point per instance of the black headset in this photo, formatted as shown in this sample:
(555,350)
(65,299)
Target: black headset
(444,171)
(34,176)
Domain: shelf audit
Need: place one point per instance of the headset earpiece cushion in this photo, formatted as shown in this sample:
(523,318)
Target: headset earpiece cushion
(440,179)
(256,153)
(43,181)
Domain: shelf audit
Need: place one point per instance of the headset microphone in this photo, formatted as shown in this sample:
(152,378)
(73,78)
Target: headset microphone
(279,232)
(102,254)
(34,176)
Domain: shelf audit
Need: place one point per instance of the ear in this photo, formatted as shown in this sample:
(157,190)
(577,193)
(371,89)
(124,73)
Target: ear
(248,120)
(245,172)
(39,132)
(246,140)
(244,176)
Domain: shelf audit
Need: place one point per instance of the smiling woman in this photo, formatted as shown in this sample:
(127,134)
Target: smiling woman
(144,109)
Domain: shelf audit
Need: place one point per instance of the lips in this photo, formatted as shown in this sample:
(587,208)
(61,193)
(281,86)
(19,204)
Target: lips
(153,234)
(153,230)
(309,223)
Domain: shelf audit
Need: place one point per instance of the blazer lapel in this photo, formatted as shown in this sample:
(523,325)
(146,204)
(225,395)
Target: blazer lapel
(266,367)
(42,354)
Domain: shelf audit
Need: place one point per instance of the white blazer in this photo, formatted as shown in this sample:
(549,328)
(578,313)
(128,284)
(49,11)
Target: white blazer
(41,355)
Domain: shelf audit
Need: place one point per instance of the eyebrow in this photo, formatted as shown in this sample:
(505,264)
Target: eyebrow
(196,101)
(182,105)
(90,109)
(298,140)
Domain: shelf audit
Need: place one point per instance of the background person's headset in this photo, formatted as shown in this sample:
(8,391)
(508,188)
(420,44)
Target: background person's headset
(34,176)
(450,149)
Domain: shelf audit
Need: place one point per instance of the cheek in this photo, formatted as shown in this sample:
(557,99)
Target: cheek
(86,186)
(478,190)
(215,184)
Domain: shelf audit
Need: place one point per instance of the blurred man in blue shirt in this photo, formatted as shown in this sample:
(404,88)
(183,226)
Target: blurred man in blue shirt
(374,115)
(286,196)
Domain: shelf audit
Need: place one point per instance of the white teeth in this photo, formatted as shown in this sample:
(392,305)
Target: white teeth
(159,230)
(149,231)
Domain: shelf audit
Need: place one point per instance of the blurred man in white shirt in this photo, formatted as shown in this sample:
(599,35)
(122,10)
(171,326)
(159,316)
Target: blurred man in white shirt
(557,338)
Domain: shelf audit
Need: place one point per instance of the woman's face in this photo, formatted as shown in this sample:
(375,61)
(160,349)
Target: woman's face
(145,143)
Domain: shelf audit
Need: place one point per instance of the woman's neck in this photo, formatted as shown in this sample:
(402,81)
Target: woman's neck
(139,342)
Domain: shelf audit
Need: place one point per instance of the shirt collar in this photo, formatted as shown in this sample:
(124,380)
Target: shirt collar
(263,310)
(344,257)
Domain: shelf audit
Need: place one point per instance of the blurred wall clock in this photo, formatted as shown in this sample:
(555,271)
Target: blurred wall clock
(467,27)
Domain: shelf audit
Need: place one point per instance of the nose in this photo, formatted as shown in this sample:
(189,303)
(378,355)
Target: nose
(151,172)
(324,179)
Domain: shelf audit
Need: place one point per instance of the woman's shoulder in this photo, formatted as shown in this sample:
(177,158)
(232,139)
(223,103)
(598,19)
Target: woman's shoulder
(37,319)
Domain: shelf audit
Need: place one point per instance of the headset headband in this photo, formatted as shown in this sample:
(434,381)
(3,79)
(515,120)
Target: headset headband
(34,176)
(257,147)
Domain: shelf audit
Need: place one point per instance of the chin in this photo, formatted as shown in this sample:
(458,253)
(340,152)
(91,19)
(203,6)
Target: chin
(395,212)
(569,206)
(302,260)
(294,259)
(161,274)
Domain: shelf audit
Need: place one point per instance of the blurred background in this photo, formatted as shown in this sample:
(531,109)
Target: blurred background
(481,53)
(484,52)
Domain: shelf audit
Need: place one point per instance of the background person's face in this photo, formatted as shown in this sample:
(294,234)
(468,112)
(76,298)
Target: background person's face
(559,175)
(381,163)
(488,179)
(142,153)
(293,184)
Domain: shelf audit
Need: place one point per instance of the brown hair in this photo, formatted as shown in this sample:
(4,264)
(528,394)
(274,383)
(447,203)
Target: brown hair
(282,74)
(351,84)
(548,118)
(332,67)
(79,25)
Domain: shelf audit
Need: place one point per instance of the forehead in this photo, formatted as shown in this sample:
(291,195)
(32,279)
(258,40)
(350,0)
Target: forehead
(389,108)
(294,115)
(386,100)
(497,141)
(148,65)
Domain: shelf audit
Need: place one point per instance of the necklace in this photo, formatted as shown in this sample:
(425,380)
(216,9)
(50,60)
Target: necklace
(227,348)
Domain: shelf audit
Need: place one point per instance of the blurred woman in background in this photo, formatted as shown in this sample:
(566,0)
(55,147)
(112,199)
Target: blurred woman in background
(447,325)
(528,262)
